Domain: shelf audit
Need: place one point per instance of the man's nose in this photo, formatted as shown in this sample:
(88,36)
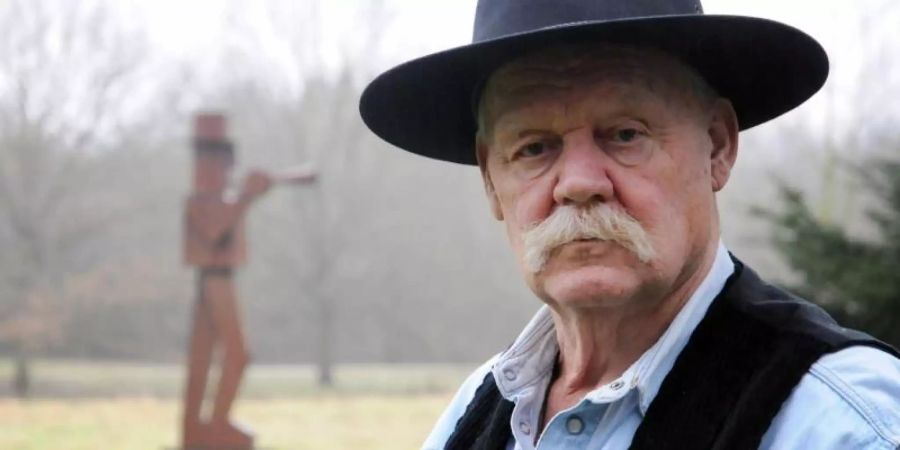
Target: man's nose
(582,171)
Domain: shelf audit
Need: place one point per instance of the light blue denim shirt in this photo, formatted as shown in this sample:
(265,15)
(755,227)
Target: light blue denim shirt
(848,400)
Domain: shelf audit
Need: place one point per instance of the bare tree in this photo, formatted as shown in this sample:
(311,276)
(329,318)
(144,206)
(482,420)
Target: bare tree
(71,79)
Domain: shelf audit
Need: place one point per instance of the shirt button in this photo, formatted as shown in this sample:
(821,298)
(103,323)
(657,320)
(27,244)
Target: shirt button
(616,385)
(575,425)
(509,374)
(524,427)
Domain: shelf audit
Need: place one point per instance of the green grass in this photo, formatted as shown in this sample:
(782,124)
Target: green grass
(325,421)
(82,405)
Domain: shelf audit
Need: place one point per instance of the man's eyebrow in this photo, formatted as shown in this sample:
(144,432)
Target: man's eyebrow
(531,131)
(518,128)
(515,133)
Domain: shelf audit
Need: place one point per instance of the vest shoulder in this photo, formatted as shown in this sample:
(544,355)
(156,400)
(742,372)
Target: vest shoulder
(791,315)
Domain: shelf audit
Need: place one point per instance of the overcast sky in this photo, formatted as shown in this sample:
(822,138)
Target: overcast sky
(419,26)
(195,29)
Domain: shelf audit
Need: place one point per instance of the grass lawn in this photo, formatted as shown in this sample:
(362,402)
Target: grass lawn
(113,406)
(327,421)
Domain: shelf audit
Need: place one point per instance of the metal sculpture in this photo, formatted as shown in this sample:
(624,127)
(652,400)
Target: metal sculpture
(215,244)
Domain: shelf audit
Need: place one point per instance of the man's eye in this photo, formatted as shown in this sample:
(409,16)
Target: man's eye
(627,134)
(532,149)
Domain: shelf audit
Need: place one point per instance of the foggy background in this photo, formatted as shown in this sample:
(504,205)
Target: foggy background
(389,257)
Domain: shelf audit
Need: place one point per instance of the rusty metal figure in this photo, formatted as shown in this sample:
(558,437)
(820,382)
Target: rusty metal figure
(215,243)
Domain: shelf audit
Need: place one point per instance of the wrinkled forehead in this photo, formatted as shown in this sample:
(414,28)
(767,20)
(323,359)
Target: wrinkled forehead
(562,71)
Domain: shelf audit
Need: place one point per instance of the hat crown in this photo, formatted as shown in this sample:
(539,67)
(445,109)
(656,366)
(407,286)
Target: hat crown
(765,68)
(498,18)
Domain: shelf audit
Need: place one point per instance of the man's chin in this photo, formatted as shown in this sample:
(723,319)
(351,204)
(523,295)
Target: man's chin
(588,285)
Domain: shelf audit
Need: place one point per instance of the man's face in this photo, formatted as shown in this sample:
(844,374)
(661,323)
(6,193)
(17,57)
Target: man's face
(621,129)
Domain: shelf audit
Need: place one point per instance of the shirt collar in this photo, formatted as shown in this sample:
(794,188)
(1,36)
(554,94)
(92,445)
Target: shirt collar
(528,362)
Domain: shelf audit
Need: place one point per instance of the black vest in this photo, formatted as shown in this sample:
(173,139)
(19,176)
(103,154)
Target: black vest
(730,380)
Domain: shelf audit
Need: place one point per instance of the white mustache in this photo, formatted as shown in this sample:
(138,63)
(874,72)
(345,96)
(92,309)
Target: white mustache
(570,223)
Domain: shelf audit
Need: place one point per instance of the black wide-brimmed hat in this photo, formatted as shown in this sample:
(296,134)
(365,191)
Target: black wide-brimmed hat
(425,106)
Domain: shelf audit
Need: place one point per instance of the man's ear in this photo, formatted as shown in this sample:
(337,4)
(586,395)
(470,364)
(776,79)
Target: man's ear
(723,134)
(481,149)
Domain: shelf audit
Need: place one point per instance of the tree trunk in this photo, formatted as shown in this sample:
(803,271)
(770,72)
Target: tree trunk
(324,354)
(22,378)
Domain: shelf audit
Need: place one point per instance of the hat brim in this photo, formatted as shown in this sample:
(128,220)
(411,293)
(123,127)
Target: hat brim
(764,67)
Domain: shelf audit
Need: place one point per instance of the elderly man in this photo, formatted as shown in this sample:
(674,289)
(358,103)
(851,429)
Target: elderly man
(603,130)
